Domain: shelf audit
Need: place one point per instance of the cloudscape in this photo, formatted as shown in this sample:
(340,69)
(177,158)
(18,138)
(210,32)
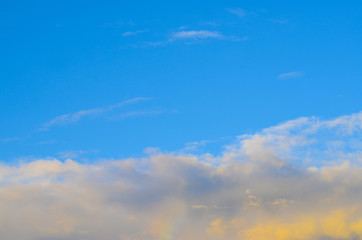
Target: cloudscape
(285,182)
(179,120)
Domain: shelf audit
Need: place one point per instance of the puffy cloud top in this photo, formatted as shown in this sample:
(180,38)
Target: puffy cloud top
(299,180)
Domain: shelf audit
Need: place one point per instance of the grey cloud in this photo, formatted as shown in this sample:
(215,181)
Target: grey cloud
(255,190)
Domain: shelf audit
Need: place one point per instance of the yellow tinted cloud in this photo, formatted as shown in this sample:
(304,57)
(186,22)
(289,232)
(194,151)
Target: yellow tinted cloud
(283,183)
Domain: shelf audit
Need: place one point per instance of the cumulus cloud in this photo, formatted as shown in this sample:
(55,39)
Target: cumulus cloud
(299,180)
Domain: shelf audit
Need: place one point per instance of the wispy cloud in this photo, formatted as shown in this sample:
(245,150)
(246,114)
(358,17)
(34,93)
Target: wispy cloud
(192,146)
(237,11)
(71,154)
(195,36)
(201,34)
(70,118)
(146,112)
(289,75)
(11,139)
(190,36)
(198,35)
(133,33)
(285,182)
(46,142)
(141,113)
(198,145)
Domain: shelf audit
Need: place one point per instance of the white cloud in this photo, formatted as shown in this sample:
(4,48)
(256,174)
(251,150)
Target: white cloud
(286,182)
(70,118)
(202,34)
(192,146)
(71,154)
(46,142)
(11,139)
(196,36)
(238,12)
(289,75)
(141,113)
(133,33)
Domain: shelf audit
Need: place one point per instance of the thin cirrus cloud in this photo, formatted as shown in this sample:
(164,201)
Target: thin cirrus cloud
(237,11)
(290,75)
(194,35)
(71,154)
(70,118)
(141,113)
(285,182)
(202,34)
(150,112)
(191,36)
(133,33)
(11,139)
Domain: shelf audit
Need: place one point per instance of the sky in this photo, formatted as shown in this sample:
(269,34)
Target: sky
(180,120)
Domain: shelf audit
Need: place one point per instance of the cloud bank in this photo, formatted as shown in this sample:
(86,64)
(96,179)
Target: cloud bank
(298,180)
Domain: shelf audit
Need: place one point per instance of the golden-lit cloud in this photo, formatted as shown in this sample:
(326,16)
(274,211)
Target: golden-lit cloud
(300,180)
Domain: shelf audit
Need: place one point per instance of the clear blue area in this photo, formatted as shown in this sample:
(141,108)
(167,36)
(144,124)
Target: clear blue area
(61,57)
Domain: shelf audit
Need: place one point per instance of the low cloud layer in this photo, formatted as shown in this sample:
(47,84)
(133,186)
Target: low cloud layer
(299,180)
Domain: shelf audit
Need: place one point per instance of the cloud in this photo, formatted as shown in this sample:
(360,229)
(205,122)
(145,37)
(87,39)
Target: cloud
(237,11)
(289,75)
(46,142)
(147,112)
(70,118)
(195,36)
(141,113)
(132,33)
(192,146)
(202,34)
(11,139)
(71,154)
(298,180)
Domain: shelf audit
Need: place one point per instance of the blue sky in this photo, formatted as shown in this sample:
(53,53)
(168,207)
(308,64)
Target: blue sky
(164,120)
(197,71)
